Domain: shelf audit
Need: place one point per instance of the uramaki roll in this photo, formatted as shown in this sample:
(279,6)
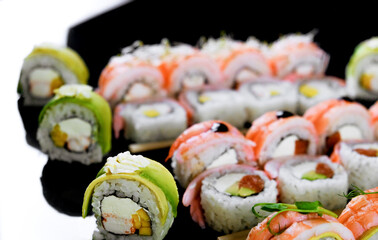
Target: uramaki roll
(75,125)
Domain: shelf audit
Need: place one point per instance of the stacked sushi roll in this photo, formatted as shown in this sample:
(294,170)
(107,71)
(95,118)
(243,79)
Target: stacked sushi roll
(310,178)
(150,120)
(132,197)
(214,104)
(360,159)
(373,110)
(317,89)
(75,125)
(362,71)
(297,56)
(280,133)
(361,214)
(239,61)
(206,145)
(267,94)
(339,120)
(228,192)
(47,68)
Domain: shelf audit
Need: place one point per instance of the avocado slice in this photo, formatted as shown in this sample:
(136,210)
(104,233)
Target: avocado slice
(312,175)
(234,190)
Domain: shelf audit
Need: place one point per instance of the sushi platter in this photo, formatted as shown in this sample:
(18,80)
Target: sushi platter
(246,135)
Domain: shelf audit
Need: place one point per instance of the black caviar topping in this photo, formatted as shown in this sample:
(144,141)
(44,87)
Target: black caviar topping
(283,114)
(219,127)
(345,98)
(247,125)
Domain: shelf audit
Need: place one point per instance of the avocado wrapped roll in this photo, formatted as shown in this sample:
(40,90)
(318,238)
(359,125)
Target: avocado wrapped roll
(47,68)
(75,125)
(132,197)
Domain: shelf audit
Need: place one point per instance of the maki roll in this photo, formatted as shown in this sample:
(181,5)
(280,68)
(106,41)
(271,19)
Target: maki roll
(132,197)
(268,94)
(206,145)
(297,56)
(212,103)
(360,159)
(315,90)
(316,223)
(131,76)
(310,178)
(228,193)
(47,68)
(239,61)
(151,120)
(373,110)
(75,125)
(361,214)
(362,71)
(280,134)
(339,120)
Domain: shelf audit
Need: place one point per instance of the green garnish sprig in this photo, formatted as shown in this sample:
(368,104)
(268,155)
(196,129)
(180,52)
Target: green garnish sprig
(356,192)
(301,207)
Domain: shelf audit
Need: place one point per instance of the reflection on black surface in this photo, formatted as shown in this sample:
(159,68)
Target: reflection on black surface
(29,116)
(64,184)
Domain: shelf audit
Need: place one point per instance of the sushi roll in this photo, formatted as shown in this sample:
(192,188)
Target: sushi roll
(228,192)
(75,125)
(280,134)
(267,94)
(339,120)
(310,178)
(300,223)
(131,76)
(297,56)
(212,103)
(151,120)
(47,68)
(373,110)
(132,197)
(185,67)
(362,71)
(361,214)
(206,145)
(317,89)
(360,159)
(239,61)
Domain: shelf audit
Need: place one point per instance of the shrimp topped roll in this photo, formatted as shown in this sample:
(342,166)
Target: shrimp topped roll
(361,214)
(360,159)
(211,103)
(239,61)
(280,134)
(47,68)
(131,76)
(206,145)
(228,192)
(150,120)
(267,94)
(317,89)
(132,197)
(309,178)
(362,71)
(75,125)
(297,56)
(373,110)
(299,221)
(339,120)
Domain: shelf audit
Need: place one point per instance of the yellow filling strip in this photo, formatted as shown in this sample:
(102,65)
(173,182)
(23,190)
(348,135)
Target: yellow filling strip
(325,235)
(369,233)
(308,91)
(151,113)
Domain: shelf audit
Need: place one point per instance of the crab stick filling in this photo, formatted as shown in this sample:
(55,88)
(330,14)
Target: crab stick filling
(73,133)
(369,78)
(312,171)
(346,132)
(290,145)
(43,82)
(124,216)
(138,90)
(239,184)
(193,80)
(228,157)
